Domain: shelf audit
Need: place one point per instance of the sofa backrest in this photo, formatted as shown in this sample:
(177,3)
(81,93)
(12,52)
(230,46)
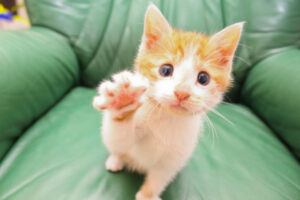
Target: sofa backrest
(105,33)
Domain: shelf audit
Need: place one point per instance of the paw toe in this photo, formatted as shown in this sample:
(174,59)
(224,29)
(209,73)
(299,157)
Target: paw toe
(99,103)
(107,88)
(123,77)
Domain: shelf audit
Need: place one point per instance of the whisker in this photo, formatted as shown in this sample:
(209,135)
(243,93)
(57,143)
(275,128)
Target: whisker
(212,128)
(221,57)
(222,116)
(151,111)
(245,46)
(215,112)
(242,59)
(155,108)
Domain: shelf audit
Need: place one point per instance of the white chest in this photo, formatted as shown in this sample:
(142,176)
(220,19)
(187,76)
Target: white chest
(160,135)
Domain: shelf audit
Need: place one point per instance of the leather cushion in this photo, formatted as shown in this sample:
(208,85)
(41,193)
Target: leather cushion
(272,91)
(61,157)
(37,67)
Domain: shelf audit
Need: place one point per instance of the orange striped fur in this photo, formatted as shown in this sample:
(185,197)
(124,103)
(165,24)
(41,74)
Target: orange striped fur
(214,54)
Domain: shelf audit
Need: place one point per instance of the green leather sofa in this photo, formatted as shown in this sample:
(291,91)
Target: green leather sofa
(50,147)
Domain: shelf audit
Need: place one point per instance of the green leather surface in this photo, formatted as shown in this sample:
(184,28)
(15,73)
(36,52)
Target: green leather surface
(271,27)
(61,157)
(272,90)
(105,34)
(37,67)
(5,144)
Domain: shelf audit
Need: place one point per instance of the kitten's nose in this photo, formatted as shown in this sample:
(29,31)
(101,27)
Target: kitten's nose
(182,95)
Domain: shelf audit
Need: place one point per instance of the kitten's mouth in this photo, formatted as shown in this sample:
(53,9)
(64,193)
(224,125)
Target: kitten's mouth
(178,105)
(175,106)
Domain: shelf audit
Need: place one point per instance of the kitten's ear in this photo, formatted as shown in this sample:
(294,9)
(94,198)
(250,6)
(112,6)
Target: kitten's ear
(225,43)
(155,25)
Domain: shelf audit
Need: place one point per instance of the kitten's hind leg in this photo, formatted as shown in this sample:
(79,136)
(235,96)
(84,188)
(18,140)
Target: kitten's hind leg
(121,96)
(114,163)
(155,182)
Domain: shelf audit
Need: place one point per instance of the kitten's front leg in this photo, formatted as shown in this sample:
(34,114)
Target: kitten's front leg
(122,96)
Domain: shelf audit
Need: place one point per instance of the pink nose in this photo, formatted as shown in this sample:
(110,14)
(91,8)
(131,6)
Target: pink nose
(181,95)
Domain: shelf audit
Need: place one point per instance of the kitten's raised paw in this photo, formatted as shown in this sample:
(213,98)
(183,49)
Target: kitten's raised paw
(141,196)
(114,163)
(123,93)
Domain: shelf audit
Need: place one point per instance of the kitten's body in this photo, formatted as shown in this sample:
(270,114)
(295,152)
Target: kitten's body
(152,137)
(153,116)
(153,141)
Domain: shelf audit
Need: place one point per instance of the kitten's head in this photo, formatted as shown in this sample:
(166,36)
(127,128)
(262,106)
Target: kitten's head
(188,71)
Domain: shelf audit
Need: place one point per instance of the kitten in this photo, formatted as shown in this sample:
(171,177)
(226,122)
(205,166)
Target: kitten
(153,116)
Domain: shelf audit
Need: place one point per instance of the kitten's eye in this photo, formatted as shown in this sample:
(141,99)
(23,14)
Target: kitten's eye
(203,78)
(166,70)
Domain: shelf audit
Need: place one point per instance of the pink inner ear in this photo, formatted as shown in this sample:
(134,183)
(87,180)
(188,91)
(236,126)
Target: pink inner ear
(227,54)
(225,42)
(151,39)
(155,25)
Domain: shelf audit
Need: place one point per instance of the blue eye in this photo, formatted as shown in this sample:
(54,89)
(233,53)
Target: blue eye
(166,70)
(203,78)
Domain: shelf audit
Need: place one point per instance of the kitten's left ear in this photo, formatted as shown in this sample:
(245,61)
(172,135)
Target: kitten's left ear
(155,26)
(225,42)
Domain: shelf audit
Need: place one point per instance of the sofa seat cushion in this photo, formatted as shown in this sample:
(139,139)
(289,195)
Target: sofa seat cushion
(61,157)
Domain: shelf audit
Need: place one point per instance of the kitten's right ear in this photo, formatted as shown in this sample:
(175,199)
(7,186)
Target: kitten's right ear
(155,26)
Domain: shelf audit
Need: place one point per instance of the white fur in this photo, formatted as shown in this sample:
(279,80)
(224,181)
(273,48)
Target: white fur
(158,143)
(156,133)
(157,140)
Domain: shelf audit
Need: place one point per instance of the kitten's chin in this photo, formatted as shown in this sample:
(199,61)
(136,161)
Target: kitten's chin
(178,107)
(172,108)
(185,111)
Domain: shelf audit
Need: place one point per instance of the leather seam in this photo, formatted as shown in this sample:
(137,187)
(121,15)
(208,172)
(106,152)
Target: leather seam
(124,28)
(103,34)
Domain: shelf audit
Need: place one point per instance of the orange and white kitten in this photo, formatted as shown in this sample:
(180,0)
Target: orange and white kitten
(153,116)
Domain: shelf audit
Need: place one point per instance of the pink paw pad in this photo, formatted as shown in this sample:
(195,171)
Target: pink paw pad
(125,90)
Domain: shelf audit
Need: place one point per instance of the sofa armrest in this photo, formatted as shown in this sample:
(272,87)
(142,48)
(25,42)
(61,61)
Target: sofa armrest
(37,67)
(272,90)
